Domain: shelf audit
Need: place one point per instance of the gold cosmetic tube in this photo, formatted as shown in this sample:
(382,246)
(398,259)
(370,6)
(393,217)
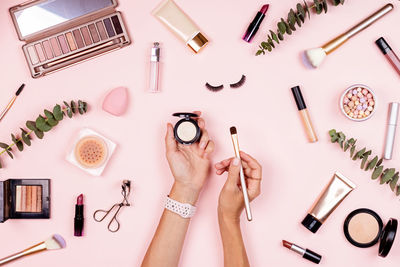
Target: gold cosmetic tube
(329,199)
(179,23)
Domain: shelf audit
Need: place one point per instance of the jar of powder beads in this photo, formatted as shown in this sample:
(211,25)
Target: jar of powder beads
(358,102)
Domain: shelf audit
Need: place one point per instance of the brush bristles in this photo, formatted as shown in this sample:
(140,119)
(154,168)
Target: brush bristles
(20,89)
(315,56)
(55,242)
(233,130)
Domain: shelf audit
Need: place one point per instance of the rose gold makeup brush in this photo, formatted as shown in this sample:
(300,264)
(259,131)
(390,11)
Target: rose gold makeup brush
(315,56)
(11,103)
(54,242)
(235,142)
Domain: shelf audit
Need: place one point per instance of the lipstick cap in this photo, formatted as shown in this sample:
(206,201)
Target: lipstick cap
(383,45)
(155,52)
(298,97)
(312,256)
(393,113)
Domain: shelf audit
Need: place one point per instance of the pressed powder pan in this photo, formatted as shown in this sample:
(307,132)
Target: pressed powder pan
(364,228)
(186,130)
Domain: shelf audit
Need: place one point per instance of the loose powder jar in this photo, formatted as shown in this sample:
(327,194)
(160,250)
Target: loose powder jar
(186,130)
(364,228)
(358,102)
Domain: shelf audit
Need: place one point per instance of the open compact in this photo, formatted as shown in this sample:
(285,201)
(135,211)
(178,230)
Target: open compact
(364,228)
(186,130)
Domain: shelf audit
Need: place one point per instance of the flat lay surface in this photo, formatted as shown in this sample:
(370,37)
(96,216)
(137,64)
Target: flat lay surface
(262,109)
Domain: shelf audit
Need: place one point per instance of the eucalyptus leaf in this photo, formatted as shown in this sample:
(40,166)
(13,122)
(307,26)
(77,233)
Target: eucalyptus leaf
(371,165)
(307,9)
(379,162)
(73,107)
(394,180)
(80,103)
(274,37)
(281,28)
(280,36)
(352,150)
(325,6)
(377,172)
(25,137)
(398,190)
(388,175)
(39,134)
(31,125)
(58,115)
(364,160)
(17,142)
(42,125)
(300,10)
(4,145)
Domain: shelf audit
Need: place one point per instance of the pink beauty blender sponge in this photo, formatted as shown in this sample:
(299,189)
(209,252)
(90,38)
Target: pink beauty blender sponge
(116,101)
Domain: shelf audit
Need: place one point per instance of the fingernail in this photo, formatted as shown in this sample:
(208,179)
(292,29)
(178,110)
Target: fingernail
(236,162)
(203,145)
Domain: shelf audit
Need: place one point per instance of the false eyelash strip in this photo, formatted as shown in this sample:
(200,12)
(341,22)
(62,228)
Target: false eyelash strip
(239,83)
(214,88)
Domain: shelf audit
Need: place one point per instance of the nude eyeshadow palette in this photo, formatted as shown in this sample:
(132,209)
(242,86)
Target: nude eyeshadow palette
(60,33)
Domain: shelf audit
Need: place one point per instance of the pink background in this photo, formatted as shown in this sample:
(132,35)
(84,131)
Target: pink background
(263,111)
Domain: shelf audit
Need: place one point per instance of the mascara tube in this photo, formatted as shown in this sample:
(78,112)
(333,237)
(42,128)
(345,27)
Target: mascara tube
(305,117)
(391,129)
(388,53)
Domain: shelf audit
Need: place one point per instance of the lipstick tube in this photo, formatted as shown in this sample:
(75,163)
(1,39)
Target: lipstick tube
(154,85)
(391,129)
(305,253)
(389,54)
(79,220)
(305,117)
(255,24)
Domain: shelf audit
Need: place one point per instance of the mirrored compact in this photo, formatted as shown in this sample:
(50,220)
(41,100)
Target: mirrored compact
(364,228)
(186,130)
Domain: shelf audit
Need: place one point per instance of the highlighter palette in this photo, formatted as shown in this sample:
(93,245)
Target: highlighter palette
(60,33)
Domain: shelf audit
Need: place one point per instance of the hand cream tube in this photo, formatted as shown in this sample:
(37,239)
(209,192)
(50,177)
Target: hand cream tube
(333,194)
(178,22)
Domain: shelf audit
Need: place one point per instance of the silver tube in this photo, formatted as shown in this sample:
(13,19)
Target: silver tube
(391,129)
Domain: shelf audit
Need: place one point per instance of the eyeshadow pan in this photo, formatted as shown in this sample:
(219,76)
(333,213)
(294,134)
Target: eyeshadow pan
(47,49)
(55,46)
(28,198)
(34,199)
(23,198)
(40,52)
(93,33)
(71,41)
(18,198)
(102,30)
(86,36)
(109,27)
(39,199)
(117,25)
(32,55)
(63,44)
(78,38)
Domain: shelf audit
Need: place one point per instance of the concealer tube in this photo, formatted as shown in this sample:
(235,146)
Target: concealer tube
(305,117)
(391,129)
(329,199)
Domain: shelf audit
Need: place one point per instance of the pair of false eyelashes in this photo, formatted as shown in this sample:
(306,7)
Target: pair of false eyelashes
(232,85)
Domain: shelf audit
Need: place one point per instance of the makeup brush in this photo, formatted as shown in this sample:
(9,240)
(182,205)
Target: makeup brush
(11,103)
(315,56)
(53,242)
(235,142)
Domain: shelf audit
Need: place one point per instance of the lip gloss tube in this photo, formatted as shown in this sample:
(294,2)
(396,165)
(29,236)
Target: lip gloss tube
(389,54)
(154,86)
(391,129)
(305,117)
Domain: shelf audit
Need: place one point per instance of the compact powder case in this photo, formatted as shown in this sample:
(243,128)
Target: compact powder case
(186,130)
(60,33)
(364,228)
(24,199)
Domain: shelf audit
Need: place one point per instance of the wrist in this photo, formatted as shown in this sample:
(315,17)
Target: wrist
(228,218)
(184,194)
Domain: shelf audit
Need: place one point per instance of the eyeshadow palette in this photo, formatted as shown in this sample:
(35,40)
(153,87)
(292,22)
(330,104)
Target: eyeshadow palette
(60,33)
(24,199)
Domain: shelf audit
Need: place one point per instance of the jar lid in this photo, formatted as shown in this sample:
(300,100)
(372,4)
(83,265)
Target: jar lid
(387,237)
(185,115)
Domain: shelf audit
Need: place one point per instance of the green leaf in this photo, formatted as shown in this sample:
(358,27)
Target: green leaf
(280,36)
(273,35)
(300,10)
(325,6)
(377,172)
(398,190)
(352,149)
(31,125)
(259,52)
(387,175)
(50,118)
(299,20)
(342,2)
(332,132)
(371,164)
(335,2)
(291,17)
(318,7)
(39,134)
(359,154)
(288,30)
(264,45)
(18,143)
(394,180)
(364,160)
(7,149)
(307,9)
(379,162)
(58,115)
(42,125)
(281,27)
(80,103)
(25,137)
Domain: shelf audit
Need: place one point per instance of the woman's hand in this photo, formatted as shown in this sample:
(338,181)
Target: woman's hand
(189,164)
(231,202)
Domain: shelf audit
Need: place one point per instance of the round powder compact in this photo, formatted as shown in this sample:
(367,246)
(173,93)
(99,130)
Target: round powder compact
(358,102)
(91,151)
(364,228)
(186,130)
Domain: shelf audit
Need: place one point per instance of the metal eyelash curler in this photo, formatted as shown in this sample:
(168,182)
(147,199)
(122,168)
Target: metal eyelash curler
(126,189)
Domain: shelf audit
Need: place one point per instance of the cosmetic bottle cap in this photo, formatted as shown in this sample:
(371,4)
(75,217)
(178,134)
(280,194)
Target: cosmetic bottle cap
(311,223)
(383,45)
(155,52)
(393,113)
(197,42)
(298,97)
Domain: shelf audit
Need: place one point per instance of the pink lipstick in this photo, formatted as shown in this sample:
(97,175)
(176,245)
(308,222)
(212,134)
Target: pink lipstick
(255,24)
(79,220)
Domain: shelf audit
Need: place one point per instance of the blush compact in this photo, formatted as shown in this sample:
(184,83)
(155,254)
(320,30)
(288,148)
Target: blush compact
(186,130)
(364,228)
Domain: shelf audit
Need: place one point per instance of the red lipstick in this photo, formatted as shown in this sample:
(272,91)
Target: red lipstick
(306,253)
(255,24)
(79,220)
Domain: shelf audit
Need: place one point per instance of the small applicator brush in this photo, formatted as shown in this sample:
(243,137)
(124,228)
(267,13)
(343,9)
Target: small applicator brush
(11,103)
(315,56)
(53,242)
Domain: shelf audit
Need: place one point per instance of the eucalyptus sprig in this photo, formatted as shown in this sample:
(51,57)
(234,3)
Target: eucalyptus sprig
(387,175)
(41,125)
(295,17)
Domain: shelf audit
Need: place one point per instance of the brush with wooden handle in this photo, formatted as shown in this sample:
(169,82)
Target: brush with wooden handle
(53,242)
(315,56)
